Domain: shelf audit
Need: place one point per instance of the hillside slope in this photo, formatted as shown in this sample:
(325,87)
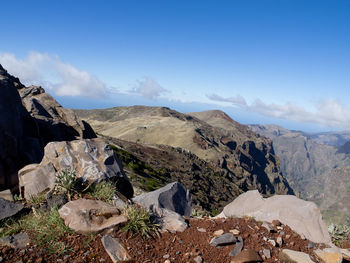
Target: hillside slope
(246,160)
(319,172)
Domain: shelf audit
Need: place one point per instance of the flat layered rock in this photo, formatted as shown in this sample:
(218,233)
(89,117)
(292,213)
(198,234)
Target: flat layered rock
(287,255)
(90,216)
(224,239)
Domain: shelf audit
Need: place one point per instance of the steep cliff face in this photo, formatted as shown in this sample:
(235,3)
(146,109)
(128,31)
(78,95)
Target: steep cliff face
(29,119)
(246,159)
(319,172)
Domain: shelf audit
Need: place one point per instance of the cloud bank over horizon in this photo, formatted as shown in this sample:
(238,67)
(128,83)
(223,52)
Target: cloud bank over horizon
(148,88)
(53,74)
(328,113)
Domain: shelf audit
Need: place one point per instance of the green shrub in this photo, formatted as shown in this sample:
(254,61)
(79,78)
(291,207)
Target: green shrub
(139,222)
(103,191)
(339,233)
(45,228)
(37,199)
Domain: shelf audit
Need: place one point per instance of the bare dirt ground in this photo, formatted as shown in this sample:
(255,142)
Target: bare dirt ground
(176,247)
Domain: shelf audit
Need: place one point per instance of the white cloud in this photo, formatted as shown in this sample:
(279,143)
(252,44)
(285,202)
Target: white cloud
(50,72)
(331,112)
(149,89)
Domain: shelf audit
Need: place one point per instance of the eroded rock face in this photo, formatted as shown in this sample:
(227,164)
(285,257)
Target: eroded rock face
(302,216)
(91,159)
(90,216)
(8,209)
(29,119)
(55,122)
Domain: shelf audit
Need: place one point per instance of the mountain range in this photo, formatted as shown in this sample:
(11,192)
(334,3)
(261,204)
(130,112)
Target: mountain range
(316,165)
(222,157)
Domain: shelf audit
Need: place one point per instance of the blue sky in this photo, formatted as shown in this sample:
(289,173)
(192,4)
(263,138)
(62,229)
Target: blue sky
(282,62)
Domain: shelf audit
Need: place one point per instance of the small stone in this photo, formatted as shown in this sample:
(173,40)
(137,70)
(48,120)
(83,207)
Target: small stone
(267,226)
(276,223)
(166,256)
(102,260)
(267,253)
(198,259)
(272,242)
(302,237)
(177,252)
(139,253)
(225,239)
(200,229)
(180,241)
(57,260)
(167,261)
(238,247)
(279,227)
(287,255)
(279,241)
(218,232)
(282,233)
(16,241)
(265,239)
(115,249)
(311,245)
(287,236)
(329,257)
(234,231)
(247,255)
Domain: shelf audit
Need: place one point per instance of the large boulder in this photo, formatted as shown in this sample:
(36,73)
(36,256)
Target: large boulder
(173,196)
(169,204)
(302,216)
(29,119)
(90,216)
(91,159)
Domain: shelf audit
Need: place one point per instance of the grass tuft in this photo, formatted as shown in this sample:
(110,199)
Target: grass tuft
(139,222)
(103,191)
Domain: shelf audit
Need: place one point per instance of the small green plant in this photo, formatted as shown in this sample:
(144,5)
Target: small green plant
(199,212)
(103,191)
(339,233)
(139,222)
(37,199)
(67,180)
(45,227)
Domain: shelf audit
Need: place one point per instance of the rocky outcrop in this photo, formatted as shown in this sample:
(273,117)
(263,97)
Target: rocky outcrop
(90,216)
(29,119)
(91,159)
(302,216)
(55,123)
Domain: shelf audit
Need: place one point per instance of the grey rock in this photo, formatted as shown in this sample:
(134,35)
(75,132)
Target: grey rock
(310,245)
(303,217)
(169,220)
(267,253)
(115,249)
(92,160)
(225,239)
(272,242)
(166,256)
(200,229)
(16,241)
(7,195)
(8,209)
(268,226)
(174,197)
(198,259)
(238,247)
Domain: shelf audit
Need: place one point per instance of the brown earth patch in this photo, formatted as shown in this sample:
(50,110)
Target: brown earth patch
(177,247)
